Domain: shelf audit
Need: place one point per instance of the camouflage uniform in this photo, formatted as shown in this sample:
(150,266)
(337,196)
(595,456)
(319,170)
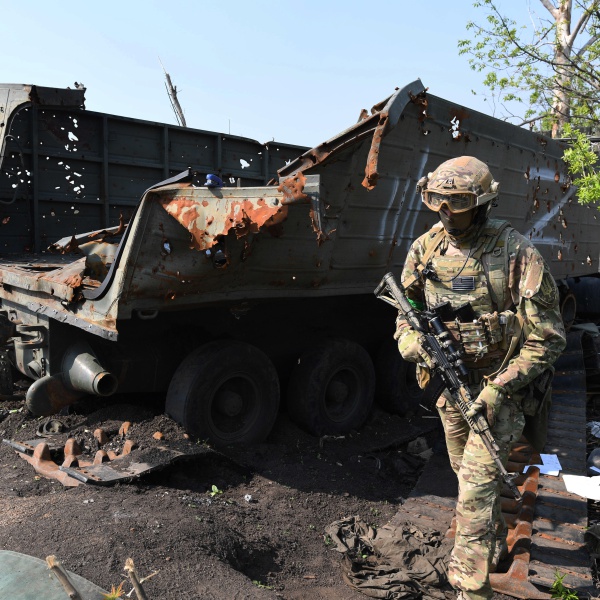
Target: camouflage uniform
(495,269)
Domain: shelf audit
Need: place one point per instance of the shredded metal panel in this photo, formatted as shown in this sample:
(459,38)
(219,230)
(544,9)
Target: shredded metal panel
(67,170)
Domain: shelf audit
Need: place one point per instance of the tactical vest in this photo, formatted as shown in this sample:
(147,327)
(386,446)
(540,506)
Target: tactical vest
(480,279)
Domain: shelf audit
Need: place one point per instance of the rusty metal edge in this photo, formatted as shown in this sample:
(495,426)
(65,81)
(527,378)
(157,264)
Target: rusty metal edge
(381,121)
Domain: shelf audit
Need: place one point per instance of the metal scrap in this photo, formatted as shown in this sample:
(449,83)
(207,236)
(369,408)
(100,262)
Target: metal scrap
(371,174)
(207,222)
(74,244)
(68,465)
(292,188)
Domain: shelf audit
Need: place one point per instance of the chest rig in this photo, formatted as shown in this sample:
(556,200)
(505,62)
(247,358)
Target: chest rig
(479,279)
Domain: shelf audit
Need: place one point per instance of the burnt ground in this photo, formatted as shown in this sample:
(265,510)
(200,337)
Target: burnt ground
(239,523)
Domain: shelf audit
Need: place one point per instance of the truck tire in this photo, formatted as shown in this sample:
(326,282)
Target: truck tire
(332,388)
(226,392)
(397,389)
(568,308)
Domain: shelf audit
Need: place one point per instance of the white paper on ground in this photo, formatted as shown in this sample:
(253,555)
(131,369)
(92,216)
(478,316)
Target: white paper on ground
(588,487)
(550,465)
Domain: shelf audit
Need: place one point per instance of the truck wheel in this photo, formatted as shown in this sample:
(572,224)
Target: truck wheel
(332,387)
(397,389)
(568,308)
(226,392)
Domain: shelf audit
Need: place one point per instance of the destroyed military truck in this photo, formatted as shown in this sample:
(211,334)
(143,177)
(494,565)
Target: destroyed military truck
(228,298)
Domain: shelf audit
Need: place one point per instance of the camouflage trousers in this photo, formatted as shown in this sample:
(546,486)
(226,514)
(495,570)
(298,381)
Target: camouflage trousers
(479,522)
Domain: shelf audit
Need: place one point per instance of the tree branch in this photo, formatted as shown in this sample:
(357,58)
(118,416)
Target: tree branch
(532,120)
(560,80)
(550,8)
(586,75)
(591,41)
(581,24)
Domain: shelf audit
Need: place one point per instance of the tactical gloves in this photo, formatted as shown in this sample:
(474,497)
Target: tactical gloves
(489,401)
(409,344)
(411,349)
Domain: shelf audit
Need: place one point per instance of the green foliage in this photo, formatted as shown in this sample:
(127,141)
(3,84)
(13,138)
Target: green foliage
(582,164)
(262,586)
(115,593)
(544,70)
(214,490)
(559,590)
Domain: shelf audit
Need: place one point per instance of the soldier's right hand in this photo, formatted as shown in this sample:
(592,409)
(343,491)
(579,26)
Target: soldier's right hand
(411,348)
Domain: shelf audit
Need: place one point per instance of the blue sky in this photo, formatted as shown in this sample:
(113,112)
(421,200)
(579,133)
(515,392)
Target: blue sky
(298,72)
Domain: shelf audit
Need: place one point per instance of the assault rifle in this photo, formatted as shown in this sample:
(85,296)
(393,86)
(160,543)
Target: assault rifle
(438,343)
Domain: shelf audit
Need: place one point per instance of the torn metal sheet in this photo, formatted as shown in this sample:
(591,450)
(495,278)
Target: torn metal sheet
(69,466)
(77,243)
(209,214)
(133,465)
(383,125)
(384,116)
(58,280)
(208,220)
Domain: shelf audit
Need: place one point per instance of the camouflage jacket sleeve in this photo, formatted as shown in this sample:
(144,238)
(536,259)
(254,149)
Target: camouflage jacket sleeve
(536,296)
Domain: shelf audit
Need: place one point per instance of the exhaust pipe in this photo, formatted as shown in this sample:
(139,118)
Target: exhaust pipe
(82,371)
(81,375)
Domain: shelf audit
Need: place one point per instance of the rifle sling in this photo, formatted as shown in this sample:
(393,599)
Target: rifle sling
(417,273)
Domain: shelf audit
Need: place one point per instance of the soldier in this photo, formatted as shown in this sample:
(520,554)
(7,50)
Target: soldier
(510,330)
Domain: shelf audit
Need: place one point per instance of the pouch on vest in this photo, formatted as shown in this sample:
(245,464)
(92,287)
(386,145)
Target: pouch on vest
(480,336)
(473,338)
(536,408)
(491,323)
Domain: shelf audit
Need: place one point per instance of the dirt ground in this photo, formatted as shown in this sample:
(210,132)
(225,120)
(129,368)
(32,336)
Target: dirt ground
(229,524)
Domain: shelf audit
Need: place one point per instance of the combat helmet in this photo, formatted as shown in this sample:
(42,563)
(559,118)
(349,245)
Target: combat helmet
(461,183)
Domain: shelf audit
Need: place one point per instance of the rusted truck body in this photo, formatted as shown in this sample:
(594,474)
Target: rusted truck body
(227,299)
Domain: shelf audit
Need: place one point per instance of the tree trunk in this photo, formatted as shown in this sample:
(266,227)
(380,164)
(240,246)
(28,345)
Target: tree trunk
(561,104)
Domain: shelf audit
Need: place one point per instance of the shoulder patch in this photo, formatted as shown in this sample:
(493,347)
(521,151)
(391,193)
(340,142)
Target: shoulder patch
(547,294)
(537,284)
(531,265)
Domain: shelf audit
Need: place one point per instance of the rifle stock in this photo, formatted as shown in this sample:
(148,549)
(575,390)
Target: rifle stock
(438,343)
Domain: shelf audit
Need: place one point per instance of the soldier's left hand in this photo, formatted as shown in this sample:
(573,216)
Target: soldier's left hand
(489,401)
